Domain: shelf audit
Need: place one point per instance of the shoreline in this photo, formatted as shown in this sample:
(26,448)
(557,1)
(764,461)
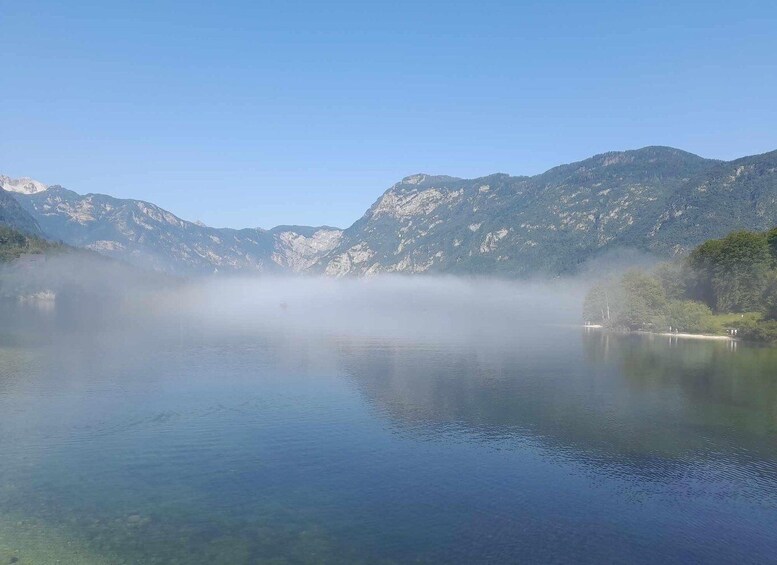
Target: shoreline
(666,334)
(690,336)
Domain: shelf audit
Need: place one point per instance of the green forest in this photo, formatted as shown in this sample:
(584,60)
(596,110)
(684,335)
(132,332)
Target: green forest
(722,286)
(14,244)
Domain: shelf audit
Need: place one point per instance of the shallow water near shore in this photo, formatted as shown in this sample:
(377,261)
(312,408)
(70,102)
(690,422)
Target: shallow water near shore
(559,444)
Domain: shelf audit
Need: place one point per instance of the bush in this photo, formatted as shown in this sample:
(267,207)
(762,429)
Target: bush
(690,316)
(763,331)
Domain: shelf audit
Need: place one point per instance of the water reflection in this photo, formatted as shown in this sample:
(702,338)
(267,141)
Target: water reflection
(178,445)
(631,395)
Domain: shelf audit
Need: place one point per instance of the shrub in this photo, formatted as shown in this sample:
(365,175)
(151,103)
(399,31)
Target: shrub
(691,316)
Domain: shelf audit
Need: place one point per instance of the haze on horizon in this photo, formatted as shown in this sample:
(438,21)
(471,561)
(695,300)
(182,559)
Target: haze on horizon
(303,113)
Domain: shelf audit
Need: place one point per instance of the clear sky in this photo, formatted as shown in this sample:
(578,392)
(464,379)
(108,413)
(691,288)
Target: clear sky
(251,113)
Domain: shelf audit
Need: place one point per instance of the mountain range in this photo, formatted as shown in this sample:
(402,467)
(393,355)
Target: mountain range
(657,199)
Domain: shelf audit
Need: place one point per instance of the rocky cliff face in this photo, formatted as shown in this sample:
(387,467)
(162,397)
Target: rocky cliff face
(297,248)
(657,199)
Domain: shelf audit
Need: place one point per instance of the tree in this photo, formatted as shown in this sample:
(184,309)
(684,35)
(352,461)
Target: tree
(771,240)
(596,308)
(702,263)
(14,244)
(731,274)
(737,273)
(642,303)
(673,278)
(770,297)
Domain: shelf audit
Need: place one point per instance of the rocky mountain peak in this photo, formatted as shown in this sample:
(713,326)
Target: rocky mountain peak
(414,179)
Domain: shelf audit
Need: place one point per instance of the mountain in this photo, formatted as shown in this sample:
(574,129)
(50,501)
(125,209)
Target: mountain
(146,235)
(501,224)
(23,185)
(14,216)
(734,195)
(657,199)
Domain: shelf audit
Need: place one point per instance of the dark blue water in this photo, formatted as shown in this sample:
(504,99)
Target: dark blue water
(551,446)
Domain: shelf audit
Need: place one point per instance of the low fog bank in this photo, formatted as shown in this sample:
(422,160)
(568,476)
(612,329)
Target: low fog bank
(78,274)
(391,307)
(84,292)
(74,291)
(419,308)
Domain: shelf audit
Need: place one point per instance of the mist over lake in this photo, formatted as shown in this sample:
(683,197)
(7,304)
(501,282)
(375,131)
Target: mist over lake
(386,420)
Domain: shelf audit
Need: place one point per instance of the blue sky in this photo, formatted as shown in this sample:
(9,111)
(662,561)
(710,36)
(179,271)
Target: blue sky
(261,113)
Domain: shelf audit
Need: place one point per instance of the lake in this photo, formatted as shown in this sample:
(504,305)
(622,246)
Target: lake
(182,444)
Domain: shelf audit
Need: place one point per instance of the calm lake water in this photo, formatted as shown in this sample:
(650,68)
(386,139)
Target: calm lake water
(555,445)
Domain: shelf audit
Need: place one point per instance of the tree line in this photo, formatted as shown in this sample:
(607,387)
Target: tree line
(14,244)
(722,285)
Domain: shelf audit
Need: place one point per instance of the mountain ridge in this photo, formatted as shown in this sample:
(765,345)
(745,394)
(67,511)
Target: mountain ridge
(14,216)
(486,211)
(149,236)
(656,199)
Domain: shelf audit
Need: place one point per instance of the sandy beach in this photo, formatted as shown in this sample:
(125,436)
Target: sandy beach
(672,334)
(694,336)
